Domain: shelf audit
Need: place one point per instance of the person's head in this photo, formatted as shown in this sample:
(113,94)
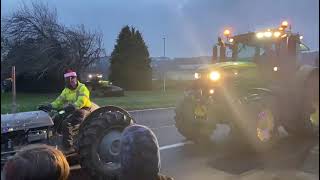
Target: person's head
(70,79)
(139,154)
(37,162)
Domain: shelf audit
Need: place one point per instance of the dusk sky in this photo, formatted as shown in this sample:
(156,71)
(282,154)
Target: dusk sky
(191,27)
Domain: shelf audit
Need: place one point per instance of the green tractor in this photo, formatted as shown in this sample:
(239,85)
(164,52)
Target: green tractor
(102,88)
(256,85)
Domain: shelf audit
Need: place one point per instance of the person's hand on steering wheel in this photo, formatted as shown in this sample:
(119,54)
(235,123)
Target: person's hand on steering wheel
(46,107)
(69,108)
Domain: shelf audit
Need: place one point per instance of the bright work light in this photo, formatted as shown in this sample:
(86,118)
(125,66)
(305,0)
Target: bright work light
(226,32)
(267,34)
(276,34)
(196,75)
(284,24)
(259,35)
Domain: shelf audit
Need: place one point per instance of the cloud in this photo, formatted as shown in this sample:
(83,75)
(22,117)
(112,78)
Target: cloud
(191,26)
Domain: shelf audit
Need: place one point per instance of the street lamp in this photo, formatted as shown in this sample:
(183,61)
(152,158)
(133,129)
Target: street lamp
(164,46)
(164,55)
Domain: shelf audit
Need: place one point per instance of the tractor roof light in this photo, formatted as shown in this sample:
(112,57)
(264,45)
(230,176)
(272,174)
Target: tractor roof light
(226,33)
(284,24)
(301,37)
(267,34)
(231,40)
(259,35)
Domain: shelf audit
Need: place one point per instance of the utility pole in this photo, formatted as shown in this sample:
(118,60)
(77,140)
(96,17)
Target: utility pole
(164,55)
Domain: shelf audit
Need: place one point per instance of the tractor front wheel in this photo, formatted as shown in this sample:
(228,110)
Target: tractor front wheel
(99,141)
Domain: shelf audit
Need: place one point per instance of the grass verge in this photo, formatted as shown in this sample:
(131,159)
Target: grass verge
(132,100)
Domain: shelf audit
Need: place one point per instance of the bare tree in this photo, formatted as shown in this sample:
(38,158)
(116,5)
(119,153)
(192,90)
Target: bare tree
(40,45)
(84,47)
(35,34)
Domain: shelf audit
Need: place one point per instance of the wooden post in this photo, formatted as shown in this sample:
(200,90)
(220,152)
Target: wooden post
(13,77)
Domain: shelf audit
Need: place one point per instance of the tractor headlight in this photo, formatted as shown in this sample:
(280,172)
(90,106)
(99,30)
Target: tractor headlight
(196,75)
(214,75)
(90,76)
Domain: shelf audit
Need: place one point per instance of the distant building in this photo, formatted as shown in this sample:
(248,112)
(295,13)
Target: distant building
(171,68)
(177,68)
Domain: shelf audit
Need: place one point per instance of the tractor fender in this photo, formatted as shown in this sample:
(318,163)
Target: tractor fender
(303,74)
(101,110)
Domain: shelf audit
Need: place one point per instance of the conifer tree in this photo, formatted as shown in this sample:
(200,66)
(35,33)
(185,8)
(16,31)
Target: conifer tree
(130,61)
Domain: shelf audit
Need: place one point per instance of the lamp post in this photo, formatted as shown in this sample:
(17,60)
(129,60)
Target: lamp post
(13,78)
(164,46)
(164,55)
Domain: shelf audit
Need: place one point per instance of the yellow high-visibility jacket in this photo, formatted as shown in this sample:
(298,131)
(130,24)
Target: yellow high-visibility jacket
(80,97)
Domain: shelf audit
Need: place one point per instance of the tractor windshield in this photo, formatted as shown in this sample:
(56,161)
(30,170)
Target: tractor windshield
(247,53)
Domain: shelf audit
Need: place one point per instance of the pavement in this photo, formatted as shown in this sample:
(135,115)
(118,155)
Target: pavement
(292,160)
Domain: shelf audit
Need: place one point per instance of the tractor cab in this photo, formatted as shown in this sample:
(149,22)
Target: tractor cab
(272,50)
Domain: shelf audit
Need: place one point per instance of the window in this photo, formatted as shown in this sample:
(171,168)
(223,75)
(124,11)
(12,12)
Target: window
(247,52)
(303,47)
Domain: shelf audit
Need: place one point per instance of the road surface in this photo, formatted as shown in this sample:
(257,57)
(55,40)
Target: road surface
(181,159)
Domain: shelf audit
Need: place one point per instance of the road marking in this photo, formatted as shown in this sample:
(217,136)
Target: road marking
(169,126)
(175,145)
(76,167)
(154,109)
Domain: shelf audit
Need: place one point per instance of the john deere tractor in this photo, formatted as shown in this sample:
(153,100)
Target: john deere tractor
(255,84)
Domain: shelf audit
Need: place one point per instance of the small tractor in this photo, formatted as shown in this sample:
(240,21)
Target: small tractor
(257,86)
(101,88)
(97,138)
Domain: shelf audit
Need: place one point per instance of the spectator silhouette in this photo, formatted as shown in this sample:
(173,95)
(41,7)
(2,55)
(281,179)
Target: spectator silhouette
(140,155)
(37,162)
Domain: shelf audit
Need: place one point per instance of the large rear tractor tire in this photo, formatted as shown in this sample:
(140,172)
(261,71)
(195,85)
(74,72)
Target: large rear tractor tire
(256,124)
(308,123)
(98,141)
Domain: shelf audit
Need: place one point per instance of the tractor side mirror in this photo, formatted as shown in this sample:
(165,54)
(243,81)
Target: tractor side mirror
(215,54)
(219,51)
(292,45)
